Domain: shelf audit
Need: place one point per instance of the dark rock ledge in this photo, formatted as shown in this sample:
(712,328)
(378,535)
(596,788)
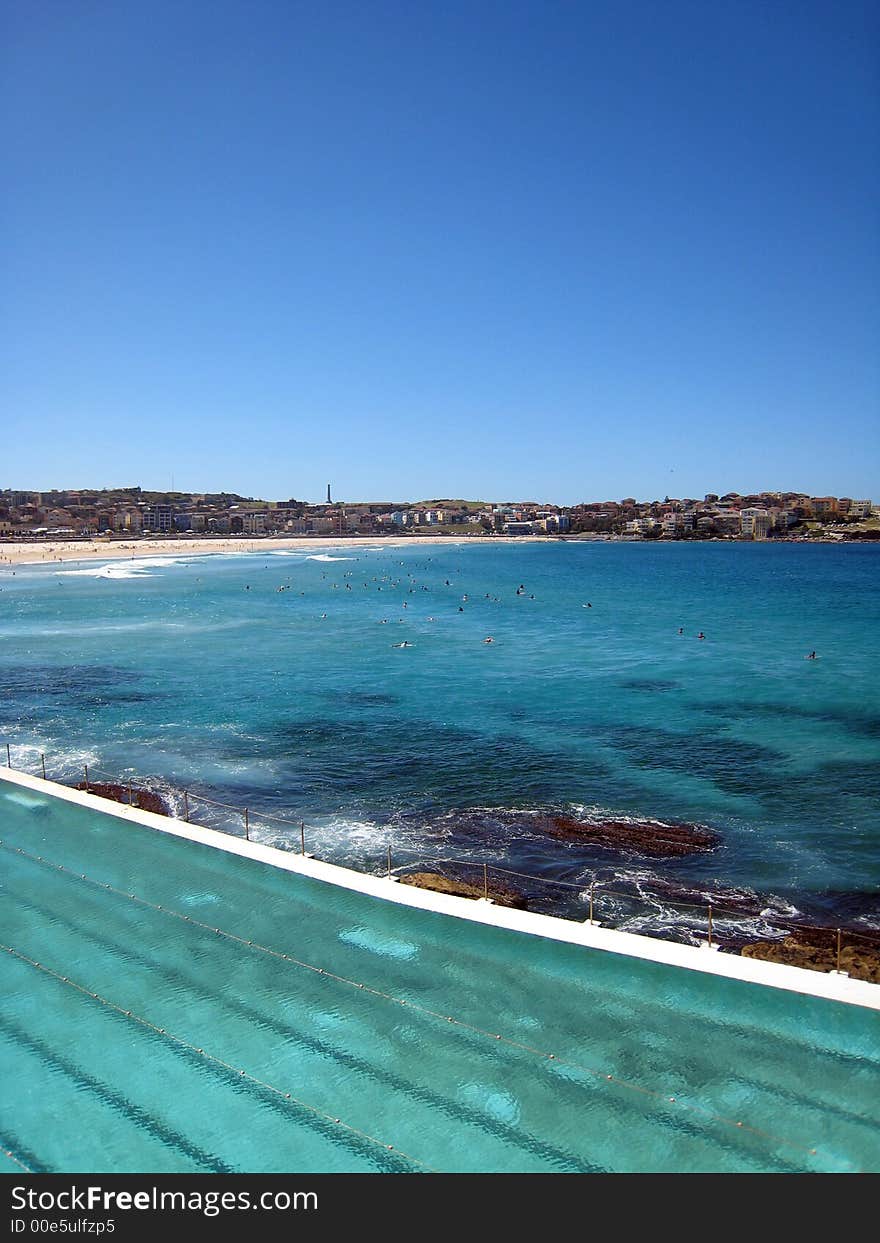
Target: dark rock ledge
(146,800)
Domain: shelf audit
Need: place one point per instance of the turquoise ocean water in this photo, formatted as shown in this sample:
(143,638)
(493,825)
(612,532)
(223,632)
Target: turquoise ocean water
(201,672)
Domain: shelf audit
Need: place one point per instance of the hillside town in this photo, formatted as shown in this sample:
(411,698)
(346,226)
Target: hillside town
(111,513)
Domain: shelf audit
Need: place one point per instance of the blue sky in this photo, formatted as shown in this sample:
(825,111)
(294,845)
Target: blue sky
(546,250)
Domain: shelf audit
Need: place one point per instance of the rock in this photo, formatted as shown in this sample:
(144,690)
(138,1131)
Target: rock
(501,895)
(640,836)
(645,837)
(816,949)
(146,800)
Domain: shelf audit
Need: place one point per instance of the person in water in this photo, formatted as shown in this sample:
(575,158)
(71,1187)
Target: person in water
(701,635)
(812,656)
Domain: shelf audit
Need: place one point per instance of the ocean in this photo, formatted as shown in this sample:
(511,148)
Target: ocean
(277,681)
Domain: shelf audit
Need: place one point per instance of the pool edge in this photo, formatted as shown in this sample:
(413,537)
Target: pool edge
(827,985)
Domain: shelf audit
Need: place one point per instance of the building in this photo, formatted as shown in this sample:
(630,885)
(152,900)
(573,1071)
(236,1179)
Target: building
(824,506)
(254,523)
(128,520)
(158,518)
(639,526)
(755,524)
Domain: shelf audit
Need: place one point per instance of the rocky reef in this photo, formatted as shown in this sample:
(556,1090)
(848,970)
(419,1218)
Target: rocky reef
(816,950)
(146,800)
(501,895)
(652,838)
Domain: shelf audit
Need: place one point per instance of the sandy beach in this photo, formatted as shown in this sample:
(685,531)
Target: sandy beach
(33,553)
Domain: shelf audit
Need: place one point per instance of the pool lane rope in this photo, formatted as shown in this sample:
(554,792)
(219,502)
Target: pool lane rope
(183,1043)
(12,1157)
(662,1098)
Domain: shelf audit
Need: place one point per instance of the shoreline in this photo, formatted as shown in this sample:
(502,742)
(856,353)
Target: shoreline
(59,551)
(38,552)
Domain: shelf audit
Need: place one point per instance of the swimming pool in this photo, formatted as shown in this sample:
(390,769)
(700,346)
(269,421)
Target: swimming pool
(174,1008)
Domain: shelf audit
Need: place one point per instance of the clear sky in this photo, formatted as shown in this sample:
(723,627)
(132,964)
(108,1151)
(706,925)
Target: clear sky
(470,248)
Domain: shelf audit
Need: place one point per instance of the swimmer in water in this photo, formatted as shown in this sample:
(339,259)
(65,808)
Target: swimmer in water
(701,635)
(812,656)
(403,644)
(488,639)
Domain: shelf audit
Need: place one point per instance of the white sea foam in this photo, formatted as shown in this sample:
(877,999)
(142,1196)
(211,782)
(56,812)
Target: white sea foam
(325,556)
(139,567)
(93,629)
(62,763)
(362,833)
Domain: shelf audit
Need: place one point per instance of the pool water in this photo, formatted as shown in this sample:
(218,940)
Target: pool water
(142,1032)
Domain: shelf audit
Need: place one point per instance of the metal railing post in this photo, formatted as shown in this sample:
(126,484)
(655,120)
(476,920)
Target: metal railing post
(8,757)
(247,827)
(43,762)
(710,925)
(186,806)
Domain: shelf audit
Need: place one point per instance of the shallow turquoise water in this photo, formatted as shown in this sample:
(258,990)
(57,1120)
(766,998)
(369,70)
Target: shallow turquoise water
(201,672)
(95,1090)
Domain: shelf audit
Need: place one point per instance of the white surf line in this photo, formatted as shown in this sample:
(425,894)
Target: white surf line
(829,985)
